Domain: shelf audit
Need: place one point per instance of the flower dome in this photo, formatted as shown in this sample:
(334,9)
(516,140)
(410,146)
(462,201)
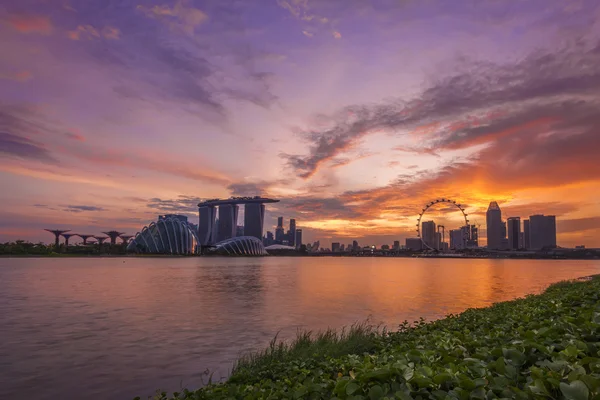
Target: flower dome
(171,234)
(240,246)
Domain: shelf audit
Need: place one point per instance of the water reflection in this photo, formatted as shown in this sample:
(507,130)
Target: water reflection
(116,328)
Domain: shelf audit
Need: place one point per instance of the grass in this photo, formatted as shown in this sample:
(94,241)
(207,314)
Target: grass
(545,346)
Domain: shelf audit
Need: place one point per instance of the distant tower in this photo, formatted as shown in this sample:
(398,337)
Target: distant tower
(85,238)
(67,236)
(125,238)
(100,239)
(493,219)
(279,231)
(254,218)
(298,239)
(542,231)
(57,233)
(514,232)
(428,234)
(292,235)
(228,216)
(526,244)
(113,235)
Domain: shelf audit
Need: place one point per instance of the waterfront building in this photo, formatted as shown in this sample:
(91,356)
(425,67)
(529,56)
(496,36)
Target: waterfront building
(514,232)
(212,229)
(279,231)
(396,245)
(473,240)
(254,218)
(355,245)
(494,226)
(298,240)
(170,234)
(429,235)
(342,248)
(526,244)
(292,232)
(335,247)
(228,216)
(542,231)
(457,239)
(414,244)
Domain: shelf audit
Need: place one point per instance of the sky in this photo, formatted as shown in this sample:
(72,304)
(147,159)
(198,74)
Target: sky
(353,113)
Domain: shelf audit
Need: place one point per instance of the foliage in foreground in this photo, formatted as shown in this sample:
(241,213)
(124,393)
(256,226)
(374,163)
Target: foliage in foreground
(540,347)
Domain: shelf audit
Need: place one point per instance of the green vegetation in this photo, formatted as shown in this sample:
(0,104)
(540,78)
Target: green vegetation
(540,347)
(23,248)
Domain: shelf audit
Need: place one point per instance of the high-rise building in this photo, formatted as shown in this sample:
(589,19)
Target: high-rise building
(228,216)
(239,230)
(493,219)
(292,233)
(254,218)
(396,245)
(342,247)
(298,240)
(206,223)
(526,244)
(459,238)
(438,241)
(268,239)
(428,234)
(542,231)
(514,232)
(355,245)
(279,231)
(335,247)
(414,244)
(473,240)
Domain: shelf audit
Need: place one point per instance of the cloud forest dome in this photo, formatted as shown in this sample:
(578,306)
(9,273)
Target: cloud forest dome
(240,246)
(171,234)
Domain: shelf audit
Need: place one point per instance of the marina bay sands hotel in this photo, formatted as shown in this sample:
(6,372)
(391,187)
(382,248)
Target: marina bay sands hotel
(254,217)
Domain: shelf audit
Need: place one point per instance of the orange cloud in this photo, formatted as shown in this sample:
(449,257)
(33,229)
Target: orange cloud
(83,31)
(31,24)
(110,32)
(21,76)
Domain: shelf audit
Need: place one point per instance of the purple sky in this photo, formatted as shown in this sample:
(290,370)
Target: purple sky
(354,113)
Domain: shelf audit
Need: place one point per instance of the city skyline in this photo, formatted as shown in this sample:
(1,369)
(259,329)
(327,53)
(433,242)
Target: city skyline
(110,116)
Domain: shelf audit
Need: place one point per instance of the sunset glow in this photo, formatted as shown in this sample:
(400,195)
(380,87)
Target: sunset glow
(355,114)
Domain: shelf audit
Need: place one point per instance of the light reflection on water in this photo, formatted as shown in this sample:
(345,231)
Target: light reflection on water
(114,328)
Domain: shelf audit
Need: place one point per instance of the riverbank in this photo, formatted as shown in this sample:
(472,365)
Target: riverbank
(542,346)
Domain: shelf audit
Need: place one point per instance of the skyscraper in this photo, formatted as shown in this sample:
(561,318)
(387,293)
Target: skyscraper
(354,245)
(335,247)
(428,234)
(542,231)
(526,244)
(298,240)
(514,232)
(493,219)
(292,234)
(254,218)
(206,224)
(279,231)
(228,216)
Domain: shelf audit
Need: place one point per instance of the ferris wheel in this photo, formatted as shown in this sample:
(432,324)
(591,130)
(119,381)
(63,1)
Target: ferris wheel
(432,203)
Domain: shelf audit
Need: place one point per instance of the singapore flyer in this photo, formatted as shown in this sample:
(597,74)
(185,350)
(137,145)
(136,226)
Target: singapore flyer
(427,244)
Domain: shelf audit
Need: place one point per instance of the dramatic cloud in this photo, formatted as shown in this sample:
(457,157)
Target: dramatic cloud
(180,16)
(17,146)
(78,209)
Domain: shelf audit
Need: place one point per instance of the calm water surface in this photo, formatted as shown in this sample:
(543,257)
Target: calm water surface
(114,328)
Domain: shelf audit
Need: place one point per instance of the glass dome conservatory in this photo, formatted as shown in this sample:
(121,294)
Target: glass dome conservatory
(171,234)
(240,246)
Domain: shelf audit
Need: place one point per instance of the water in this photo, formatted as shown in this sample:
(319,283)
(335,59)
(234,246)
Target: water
(114,328)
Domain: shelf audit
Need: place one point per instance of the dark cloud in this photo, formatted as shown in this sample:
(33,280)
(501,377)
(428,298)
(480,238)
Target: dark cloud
(82,208)
(541,84)
(577,224)
(17,146)
(249,189)
(181,205)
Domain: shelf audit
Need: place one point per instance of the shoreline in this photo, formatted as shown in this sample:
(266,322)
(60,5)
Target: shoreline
(538,346)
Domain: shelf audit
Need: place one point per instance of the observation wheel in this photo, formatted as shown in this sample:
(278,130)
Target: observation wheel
(430,204)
